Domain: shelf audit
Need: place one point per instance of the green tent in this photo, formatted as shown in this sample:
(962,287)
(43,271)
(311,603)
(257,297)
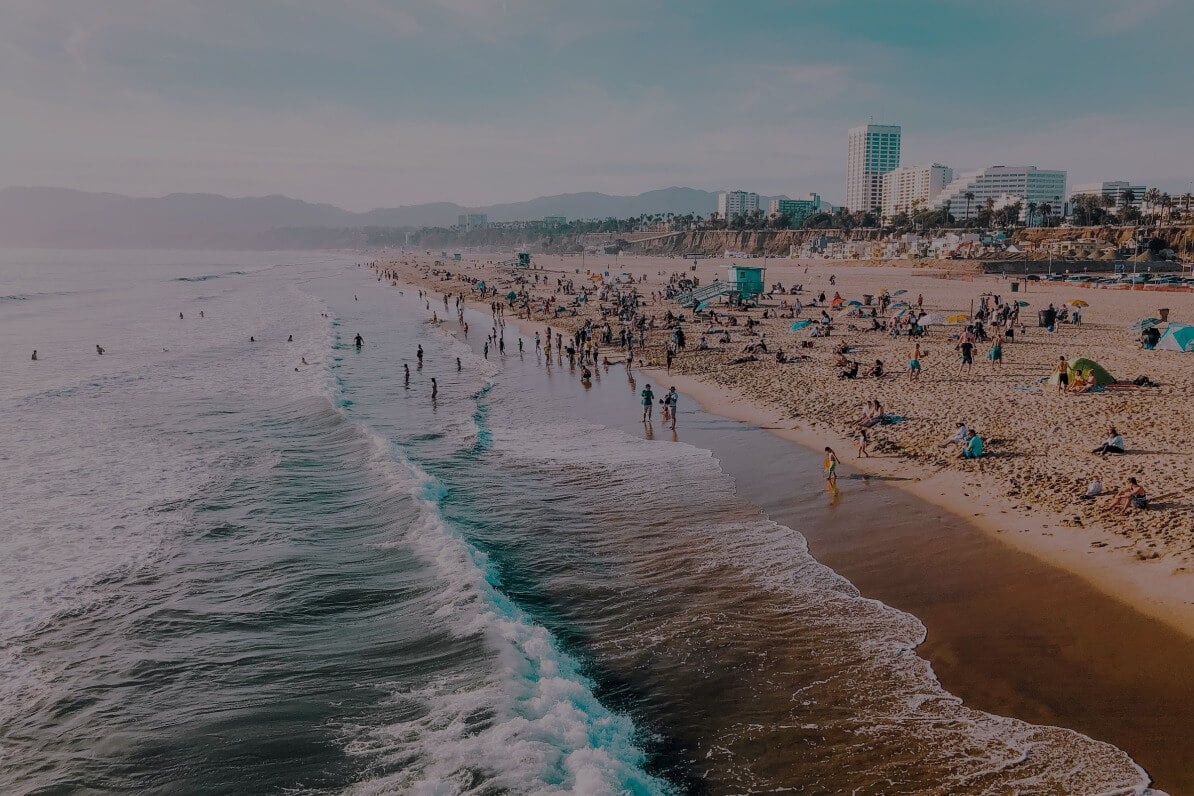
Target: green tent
(1083,365)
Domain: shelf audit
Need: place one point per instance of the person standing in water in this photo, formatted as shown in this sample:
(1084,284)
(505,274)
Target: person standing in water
(458,368)
(434,389)
(360,341)
(672,399)
(831,462)
(99,349)
(406,375)
(648,402)
(419,355)
(35,355)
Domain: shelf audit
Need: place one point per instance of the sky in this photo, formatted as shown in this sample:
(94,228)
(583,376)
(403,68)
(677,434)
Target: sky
(373,103)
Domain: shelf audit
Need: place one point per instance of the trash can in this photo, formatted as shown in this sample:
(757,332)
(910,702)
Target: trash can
(1163,314)
(1015,287)
(866,299)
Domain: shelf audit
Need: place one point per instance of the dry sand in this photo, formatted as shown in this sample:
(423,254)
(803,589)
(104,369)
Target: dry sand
(1026,492)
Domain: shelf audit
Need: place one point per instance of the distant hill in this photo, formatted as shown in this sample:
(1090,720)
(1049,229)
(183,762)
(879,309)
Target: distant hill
(61,217)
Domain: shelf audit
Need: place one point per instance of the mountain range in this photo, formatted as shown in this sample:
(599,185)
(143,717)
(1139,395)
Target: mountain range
(66,218)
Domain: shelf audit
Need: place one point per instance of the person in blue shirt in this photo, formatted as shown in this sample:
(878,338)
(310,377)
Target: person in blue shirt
(973,448)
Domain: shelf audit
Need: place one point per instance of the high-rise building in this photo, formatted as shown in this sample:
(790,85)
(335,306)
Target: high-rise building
(796,209)
(872,151)
(472,221)
(732,203)
(1004,185)
(1115,190)
(910,187)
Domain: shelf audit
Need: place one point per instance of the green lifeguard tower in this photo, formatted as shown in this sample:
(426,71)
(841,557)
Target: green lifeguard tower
(524,260)
(747,281)
(744,285)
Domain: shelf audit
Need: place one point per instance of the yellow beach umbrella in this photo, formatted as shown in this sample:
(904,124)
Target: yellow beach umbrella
(1079,303)
(956,318)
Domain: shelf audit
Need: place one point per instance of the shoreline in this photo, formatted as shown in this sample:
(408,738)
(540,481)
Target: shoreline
(1053,691)
(1046,538)
(1156,586)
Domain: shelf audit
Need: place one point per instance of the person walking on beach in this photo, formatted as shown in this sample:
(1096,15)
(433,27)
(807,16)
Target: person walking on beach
(966,346)
(995,355)
(672,399)
(537,345)
(914,361)
(648,396)
(1063,374)
(861,443)
(831,462)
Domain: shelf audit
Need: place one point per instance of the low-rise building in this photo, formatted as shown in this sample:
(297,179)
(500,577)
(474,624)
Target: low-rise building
(740,203)
(1116,191)
(910,187)
(796,209)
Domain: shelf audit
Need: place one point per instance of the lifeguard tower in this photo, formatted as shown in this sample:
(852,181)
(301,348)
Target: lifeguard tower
(745,284)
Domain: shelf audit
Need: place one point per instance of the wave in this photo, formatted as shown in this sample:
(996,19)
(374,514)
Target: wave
(209,277)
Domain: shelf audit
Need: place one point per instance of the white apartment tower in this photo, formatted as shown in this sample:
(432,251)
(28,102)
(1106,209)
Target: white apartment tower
(911,187)
(1004,185)
(872,151)
(731,203)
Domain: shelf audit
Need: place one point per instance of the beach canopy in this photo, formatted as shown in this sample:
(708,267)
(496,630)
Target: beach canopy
(1177,337)
(1084,366)
(1144,323)
(511,296)
(796,327)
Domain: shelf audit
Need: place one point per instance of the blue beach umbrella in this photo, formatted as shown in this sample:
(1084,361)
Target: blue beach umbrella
(853,303)
(1145,323)
(796,327)
(1021,303)
(900,304)
(899,292)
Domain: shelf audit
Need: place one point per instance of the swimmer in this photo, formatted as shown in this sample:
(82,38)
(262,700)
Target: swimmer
(180,316)
(305,361)
(35,355)
(99,349)
(252,339)
(290,338)
(201,315)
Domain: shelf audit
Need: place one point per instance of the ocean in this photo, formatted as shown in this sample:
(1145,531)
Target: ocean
(236,562)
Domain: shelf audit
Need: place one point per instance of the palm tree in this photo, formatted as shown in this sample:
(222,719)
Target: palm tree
(1031,213)
(1046,211)
(969,198)
(1152,197)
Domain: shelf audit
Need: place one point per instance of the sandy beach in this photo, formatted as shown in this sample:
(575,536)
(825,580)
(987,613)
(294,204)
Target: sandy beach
(1026,491)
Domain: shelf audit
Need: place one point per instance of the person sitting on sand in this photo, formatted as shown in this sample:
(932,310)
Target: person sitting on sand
(1130,496)
(959,437)
(877,370)
(850,372)
(840,360)
(1093,489)
(973,449)
(1113,444)
(1082,382)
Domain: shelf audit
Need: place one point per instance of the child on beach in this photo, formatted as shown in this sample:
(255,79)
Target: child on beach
(831,462)
(862,440)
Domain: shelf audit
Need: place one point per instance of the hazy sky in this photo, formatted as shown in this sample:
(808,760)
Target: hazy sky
(367,103)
